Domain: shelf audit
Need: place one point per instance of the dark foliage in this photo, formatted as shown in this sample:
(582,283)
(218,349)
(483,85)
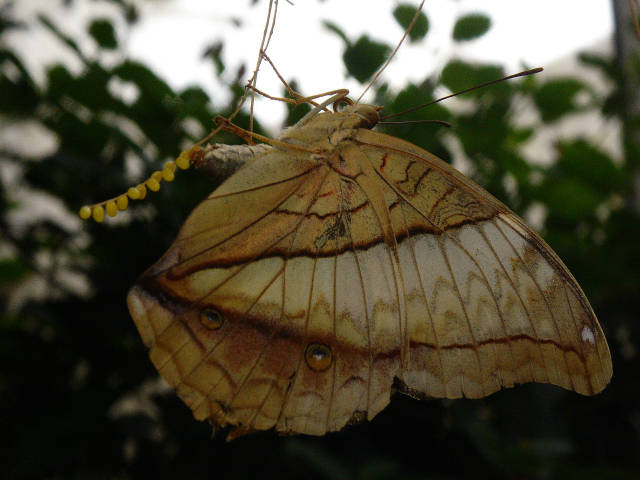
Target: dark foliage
(77,397)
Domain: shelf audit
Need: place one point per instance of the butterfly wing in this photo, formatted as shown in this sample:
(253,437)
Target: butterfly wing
(233,310)
(305,290)
(488,303)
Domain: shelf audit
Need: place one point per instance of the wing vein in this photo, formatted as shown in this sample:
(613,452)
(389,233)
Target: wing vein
(266,185)
(282,272)
(334,366)
(578,339)
(520,299)
(424,294)
(366,313)
(394,264)
(212,350)
(493,297)
(251,224)
(407,200)
(285,401)
(275,277)
(466,315)
(544,298)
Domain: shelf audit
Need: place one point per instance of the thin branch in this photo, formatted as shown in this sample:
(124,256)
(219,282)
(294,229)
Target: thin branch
(384,65)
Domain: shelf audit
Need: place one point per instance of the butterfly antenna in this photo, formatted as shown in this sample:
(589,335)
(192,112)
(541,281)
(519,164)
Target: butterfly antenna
(477,87)
(117,204)
(413,122)
(393,54)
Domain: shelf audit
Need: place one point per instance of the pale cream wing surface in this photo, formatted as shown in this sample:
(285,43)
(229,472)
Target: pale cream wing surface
(490,303)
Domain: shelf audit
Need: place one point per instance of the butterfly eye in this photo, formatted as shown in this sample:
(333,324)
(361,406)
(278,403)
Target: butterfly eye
(211,319)
(318,357)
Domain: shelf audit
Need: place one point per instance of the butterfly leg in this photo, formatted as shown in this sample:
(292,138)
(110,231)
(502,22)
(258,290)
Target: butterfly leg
(248,136)
(298,98)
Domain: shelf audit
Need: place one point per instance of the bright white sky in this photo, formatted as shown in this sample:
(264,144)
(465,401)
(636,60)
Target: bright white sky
(172,35)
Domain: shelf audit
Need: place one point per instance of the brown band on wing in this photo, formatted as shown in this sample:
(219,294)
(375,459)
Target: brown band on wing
(352,210)
(276,252)
(264,326)
(167,299)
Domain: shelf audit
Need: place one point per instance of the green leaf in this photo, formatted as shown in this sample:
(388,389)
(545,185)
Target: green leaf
(556,97)
(214,52)
(332,27)
(143,77)
(459,75)
(294,112)
(64,38)
(471,26)
(520,135)
(195,103)
(570,198)
(20,94)
(59,81)
(604,63)
(404,14)
(89,89)
(364,57)
(427,135)
(12,270)
(580,159)
(103,33)
(156,107)
(485,131)
(131,13)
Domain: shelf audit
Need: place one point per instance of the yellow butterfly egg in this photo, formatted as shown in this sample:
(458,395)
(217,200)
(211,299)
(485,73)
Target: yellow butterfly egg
(85,212)
(153,184)
(133,193)
(98,213)
(111,208)
(122,202)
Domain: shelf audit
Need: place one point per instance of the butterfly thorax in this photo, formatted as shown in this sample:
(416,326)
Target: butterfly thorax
(324,130)
(324,133)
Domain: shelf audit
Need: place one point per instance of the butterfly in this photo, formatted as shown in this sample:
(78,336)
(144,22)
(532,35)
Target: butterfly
(341,265)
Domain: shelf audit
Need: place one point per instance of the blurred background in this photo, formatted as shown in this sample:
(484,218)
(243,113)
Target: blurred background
(96,94)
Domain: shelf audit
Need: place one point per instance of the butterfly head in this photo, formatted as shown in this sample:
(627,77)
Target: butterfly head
(364,116)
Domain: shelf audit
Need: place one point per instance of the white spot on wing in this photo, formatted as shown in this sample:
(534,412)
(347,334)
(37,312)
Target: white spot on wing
(509,220)
(587,335)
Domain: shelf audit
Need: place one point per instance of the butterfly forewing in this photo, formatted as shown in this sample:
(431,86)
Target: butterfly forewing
(311,285)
